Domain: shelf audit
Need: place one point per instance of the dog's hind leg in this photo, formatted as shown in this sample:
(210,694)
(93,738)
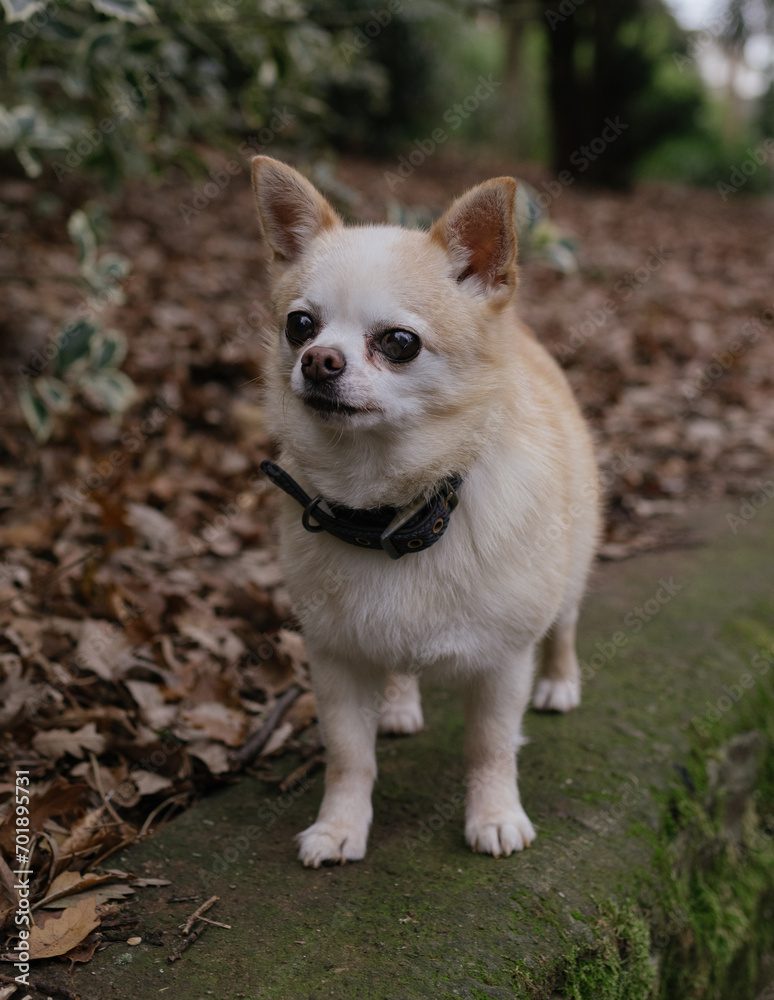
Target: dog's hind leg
(558,685)
(401,710)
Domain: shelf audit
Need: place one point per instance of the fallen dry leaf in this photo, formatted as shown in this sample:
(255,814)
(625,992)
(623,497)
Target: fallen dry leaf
(154,710)
(277,738)
(227,725)
(214,755)
(70,883)
(102,648)
(102,894)
(84,952)
(56,934)
(55,743)
(150,782)
(57,800)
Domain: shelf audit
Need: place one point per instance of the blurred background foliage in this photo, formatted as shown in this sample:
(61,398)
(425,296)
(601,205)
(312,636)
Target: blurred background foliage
(122,88)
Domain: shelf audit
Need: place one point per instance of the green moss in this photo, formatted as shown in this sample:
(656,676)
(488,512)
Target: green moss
(718,867)
(618,965)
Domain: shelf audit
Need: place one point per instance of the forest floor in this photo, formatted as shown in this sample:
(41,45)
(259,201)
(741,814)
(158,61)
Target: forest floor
(145,633)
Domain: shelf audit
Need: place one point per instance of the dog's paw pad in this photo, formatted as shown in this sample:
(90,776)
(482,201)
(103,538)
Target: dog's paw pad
(323,843)
(556,695)
(501,835)
(401,721)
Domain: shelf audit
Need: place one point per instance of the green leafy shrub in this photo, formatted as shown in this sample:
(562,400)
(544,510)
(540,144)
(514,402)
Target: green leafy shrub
(85,359)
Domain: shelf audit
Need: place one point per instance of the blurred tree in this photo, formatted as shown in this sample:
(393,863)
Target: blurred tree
(744,20)
(607,62)
(387,74)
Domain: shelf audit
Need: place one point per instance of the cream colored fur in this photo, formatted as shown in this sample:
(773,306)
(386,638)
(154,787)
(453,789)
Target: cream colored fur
(482,399)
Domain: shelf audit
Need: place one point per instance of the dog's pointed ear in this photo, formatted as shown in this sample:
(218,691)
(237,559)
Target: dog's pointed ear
(291,211)
(479,236)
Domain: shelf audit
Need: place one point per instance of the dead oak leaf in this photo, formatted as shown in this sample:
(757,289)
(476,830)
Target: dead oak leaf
(102,894)
(17,691)
(55,743)
(70,883)
(56,934)
(214,755)
(149,782)
(88,832)
(102,648)
(213,719)
(150,700)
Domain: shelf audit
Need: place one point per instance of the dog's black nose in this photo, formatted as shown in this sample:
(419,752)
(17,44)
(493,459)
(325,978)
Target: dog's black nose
(321,363)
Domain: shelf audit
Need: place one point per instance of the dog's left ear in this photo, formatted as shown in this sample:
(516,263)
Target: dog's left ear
(478,234)
(291,211)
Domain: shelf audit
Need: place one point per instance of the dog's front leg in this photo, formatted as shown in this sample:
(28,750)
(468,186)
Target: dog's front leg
(495,822)
(348,712)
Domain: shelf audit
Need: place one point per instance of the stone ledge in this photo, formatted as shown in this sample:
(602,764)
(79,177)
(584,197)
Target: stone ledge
(653,871)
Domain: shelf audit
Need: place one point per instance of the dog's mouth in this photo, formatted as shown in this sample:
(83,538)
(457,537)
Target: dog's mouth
(325,402)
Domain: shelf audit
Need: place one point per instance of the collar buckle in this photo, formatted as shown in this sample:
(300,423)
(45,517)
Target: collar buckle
(405,514)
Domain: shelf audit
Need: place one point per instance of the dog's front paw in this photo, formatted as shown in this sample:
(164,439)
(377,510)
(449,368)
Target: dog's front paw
(501,834)
(331,842)
(556,695)
(400,720)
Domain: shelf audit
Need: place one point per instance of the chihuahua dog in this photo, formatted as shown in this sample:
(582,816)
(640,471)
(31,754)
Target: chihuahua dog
(439,471)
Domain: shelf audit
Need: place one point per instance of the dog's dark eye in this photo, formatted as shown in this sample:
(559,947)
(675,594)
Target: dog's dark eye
(299,328)
(400,345)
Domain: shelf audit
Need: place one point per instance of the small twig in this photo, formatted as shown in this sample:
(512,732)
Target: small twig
(186,927)
(180,797)
(215,923)
(301,771)
(187,942)
(258,741)
(45,989)
(98,861)
(110,925)
(49,578)
(100,788)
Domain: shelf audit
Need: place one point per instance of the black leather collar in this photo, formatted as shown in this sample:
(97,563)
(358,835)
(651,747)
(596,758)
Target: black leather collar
(395,530)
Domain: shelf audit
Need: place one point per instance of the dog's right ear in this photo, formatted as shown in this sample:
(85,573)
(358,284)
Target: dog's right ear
(290,210)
